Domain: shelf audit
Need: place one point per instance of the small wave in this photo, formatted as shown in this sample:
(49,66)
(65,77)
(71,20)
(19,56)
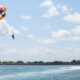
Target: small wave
(74,68)
(39,73)
(61,70)
(20,75)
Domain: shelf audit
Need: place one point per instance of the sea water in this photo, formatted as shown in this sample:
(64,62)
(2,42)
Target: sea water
(40,72)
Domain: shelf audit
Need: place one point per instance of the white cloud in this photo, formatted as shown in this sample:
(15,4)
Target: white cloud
(75,18)
(52,10)
(41,41)
(46,41)
(76,31)
(5,28)
(64,8)
(61,34)
(46,3)
(26,17)
(32,54)
(30,36)
(73,34)
(40,54)
(24,28)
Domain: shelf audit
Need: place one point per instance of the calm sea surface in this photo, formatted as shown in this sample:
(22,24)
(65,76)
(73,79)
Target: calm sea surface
(39,72)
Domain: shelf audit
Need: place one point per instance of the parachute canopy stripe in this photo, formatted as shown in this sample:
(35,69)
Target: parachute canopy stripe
(4,15)
(3,8)
(1,17)
(2,12)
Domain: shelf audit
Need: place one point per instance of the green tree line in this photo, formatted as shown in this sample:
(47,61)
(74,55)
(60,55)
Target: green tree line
(73,62)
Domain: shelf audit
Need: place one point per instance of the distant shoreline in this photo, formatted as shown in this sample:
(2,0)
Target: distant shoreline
(36,65)
(73,62)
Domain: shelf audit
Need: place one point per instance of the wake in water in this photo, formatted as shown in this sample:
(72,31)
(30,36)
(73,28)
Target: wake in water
(40,73)
(61,70)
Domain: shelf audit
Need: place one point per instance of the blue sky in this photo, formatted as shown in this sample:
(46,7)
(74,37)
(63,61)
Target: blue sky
(45,30)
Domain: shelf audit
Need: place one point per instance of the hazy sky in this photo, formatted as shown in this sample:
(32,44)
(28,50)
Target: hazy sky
(45,30)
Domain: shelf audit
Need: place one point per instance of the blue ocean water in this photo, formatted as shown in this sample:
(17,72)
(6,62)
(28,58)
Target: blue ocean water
(23,72)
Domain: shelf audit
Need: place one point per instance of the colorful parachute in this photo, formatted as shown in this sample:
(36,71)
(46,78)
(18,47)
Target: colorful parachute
(2,12)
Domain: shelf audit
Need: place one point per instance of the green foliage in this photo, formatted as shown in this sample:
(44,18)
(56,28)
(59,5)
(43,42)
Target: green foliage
(73,62)
(19,62)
